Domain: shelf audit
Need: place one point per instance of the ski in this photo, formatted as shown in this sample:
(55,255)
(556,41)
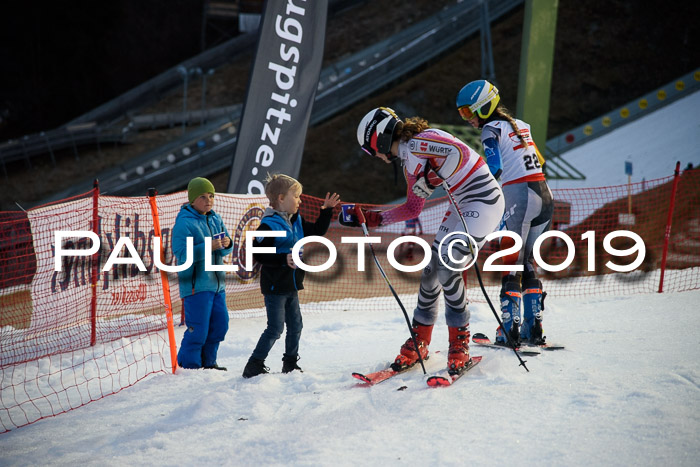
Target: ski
(444,378)
(483,341)
(377,377)
(382,375)
(525,347)
(545,346)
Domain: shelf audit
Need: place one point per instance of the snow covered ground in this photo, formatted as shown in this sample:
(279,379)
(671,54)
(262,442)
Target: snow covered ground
(652,143)
(626,391)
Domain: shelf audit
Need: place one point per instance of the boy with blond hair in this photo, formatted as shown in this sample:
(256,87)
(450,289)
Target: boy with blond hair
(280,279)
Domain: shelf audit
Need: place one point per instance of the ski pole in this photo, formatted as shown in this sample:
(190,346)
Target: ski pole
(361,218)
(478,275)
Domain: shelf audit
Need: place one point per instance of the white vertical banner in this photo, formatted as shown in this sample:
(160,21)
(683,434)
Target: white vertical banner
(281,92)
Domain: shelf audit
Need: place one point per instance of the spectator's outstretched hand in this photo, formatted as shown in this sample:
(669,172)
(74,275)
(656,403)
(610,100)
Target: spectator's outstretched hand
(331,201)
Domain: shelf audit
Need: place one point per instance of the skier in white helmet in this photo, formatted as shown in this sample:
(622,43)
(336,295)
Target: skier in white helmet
(430,156)
(512,155)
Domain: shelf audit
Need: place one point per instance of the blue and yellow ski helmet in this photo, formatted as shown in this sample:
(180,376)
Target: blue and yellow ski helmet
(478,97)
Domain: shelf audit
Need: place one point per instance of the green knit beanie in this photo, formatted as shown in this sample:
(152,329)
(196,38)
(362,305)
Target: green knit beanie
(197,187)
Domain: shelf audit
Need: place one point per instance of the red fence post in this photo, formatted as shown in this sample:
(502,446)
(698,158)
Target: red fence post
(164,280)
(667,237)
(94,270)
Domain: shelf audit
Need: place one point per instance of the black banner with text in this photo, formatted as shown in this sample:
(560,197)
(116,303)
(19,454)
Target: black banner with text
(281,93)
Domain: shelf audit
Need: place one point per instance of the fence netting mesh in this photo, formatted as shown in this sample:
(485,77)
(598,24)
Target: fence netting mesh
(76,335)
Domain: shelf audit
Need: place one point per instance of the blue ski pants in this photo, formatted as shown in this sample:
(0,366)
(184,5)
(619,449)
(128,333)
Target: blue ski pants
(206,318)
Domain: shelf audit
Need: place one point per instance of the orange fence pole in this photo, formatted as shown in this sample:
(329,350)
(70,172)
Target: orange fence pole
(164,280)
(94,270)
(667,237)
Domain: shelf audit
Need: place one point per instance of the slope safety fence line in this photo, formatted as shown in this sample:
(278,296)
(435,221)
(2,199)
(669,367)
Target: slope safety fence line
(69,336)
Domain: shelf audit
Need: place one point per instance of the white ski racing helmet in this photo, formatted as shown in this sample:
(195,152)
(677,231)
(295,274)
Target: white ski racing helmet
(376,129)
(478,97)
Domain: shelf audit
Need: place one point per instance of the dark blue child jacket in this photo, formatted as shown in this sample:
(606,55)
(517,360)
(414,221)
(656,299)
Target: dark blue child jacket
(276,277)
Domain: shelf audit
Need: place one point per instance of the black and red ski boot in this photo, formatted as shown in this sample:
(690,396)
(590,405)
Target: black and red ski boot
(408,356)
(458,355)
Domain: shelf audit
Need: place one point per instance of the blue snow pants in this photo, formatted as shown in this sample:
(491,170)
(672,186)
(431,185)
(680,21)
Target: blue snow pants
(206,318)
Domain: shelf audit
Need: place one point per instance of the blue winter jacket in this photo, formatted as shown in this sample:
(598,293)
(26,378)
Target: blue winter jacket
(190,223)
(276,277)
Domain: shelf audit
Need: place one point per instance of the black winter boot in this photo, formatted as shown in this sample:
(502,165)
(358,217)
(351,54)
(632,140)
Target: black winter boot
(216,366)
(255,367)
(289,363)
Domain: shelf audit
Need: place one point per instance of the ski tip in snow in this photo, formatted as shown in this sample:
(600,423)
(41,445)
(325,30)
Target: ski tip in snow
(371,379)
(362,378)
(439,381)
(446,379)
(377,377)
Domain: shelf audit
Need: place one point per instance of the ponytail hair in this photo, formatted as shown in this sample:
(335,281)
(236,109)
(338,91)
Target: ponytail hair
(411,127)
(502,113)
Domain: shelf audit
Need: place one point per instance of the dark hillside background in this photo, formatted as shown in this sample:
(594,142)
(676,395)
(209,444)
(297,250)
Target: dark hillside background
(62,59)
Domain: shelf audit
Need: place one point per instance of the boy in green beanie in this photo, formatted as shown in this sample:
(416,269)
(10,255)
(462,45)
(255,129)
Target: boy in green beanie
(197,187)
(203,292)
